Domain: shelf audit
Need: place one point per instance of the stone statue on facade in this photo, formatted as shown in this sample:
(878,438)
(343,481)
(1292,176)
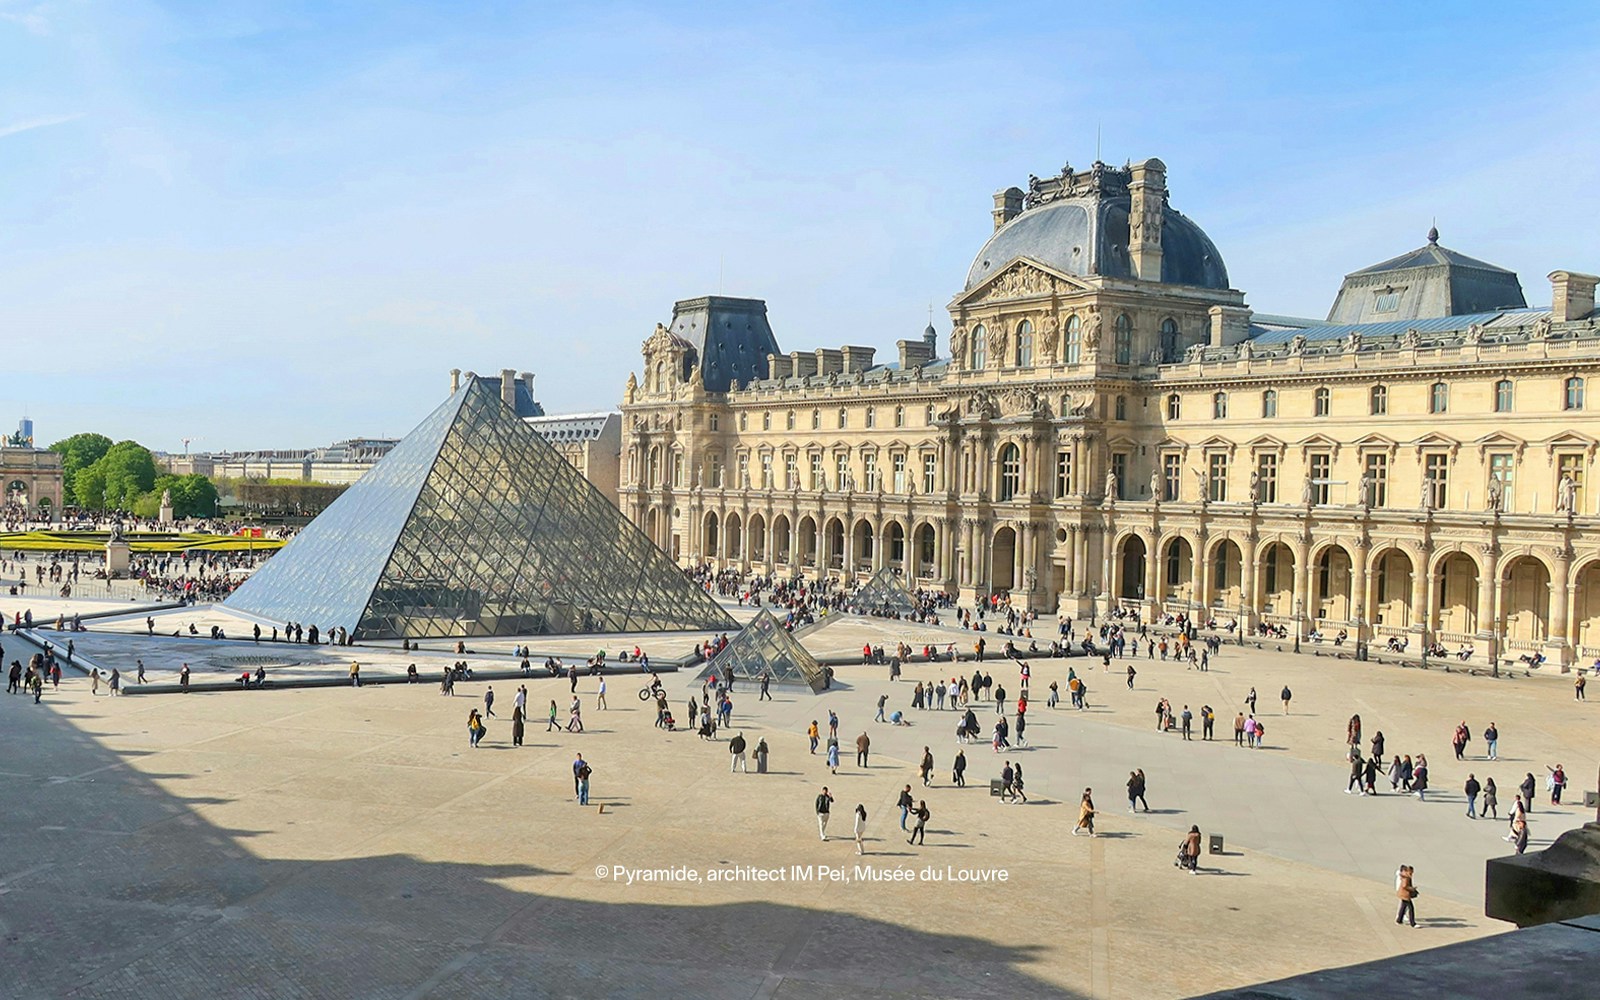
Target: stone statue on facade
(1475,333)
(630,390)
(1427,492)
(1307,492)
(1496,492)
(958,343)
(1030,579)
(1048,342)
(1111,487)
(1155,485)
(1255,487)
(1364,490)
(1091,332)
(997,344)
(1297,344)
(1541,328)
(1246,350)
(1567,495)
(1202,481)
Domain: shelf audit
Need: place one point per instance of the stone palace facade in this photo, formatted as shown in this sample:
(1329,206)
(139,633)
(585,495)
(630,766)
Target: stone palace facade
(1112,425)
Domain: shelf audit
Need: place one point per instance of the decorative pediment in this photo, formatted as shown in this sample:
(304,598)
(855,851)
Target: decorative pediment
(1571,441)
(1216,442)
(1022,278)
(1268,442)
(1021,401)
(1500,440)
(663,340)
(1320,442)
(1436,442)
(1378,442)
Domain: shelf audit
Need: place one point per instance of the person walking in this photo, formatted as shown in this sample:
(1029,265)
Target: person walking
(516,726)
(1134,789)
(1022,729)
(600,697)
(761,756)
(1208,722)
(1238,730)
(575,716)
(1191,850)
(1357,767)
(1578,685)
(1557,781)
(1472,788)
(1526,788)
(833,754)
(1251,701)
(863,745)
(958,769)
(919,832)
(1419,777)
(813,734)
(860,827)
(475,728)
(1131,674)
(926,767)
(488,701)
(833,724)
(824,803)
(736,751)
(1491,742)
(1377,747)
(766,683)
(1016,783)
(1085,813)
(551,726)
(1286,695)
(1007,776)
(1489,793)
(355,674)
(883,700)
(905,802)
(1406,889)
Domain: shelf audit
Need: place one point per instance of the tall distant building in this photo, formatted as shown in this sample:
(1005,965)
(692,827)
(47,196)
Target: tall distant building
(1112,425)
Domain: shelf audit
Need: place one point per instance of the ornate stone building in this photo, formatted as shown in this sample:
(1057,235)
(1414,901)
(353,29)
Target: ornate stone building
(1113,425)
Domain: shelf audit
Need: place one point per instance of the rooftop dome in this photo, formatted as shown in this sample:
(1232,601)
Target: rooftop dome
(1079,224)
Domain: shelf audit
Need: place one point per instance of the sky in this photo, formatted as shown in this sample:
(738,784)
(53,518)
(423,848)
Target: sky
(281,224)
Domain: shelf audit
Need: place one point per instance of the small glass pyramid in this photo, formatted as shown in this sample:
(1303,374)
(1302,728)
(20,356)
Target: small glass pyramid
(475,526)
(883,592)
(765,647)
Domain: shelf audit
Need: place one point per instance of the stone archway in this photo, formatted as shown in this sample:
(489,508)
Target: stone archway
(710,537)
(807,538)
(733,529)
(1331,584)
(862,542)
(1177,572)
(1525,602)
(1586,610)
(782,545)
(833,540)
(894,547)
(1003,561)
(1455,608)
(1130,563)
(1391,589)
(1226,584)
(758,538)
(927,551)
(1276,573)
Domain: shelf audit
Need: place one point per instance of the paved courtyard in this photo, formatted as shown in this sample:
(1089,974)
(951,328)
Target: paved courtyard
(338,842)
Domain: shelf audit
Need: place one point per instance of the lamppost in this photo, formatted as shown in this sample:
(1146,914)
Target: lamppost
(1361,638)
(1299,612)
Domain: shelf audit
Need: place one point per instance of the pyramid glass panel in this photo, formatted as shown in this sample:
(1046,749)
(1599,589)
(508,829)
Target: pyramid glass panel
(765,647)
(883,593)
(480,528)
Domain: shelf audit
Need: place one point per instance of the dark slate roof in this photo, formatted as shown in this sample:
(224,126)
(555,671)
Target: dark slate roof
(525,405)
(1430,255)
(1426,283)
(1088,234)
(1393,328)
(731,338)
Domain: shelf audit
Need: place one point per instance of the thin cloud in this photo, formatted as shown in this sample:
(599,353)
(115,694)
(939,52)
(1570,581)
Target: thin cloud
(29,124)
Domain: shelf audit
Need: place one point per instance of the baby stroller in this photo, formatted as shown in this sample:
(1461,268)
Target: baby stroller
(1185,860)
(668,723)
(708,728)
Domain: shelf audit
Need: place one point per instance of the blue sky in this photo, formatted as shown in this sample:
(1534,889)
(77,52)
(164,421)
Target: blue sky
(280,224)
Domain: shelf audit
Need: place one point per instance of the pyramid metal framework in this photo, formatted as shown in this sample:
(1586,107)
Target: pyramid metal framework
(884,590)
(475,526)
(765,647)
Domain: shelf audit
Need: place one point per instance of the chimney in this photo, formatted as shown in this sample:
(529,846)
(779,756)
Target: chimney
(455,381)
(526,378)
(829,361)
(858,359)
(914,353)
(802,364)
(1229,325)
(508,387)
(779,366)
(1571,295)
(1007,205)
(1149,191)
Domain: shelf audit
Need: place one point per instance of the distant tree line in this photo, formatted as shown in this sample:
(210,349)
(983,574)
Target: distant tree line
(99,475)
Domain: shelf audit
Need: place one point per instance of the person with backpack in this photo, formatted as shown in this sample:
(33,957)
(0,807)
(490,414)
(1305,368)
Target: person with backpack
(1406,889)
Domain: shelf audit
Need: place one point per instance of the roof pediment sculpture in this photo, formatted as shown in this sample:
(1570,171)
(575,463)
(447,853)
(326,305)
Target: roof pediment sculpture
(1246,350)
(1195,352)
(631,389)
(1021,280)
(661,340)
(1297,344)
(1352,343)
(982,404)
(1023,401)
(1541,328)
(1475,333)
(1410,339)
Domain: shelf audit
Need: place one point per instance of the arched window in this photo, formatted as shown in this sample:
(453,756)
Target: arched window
(816,420)
(980,348)
(1502,396)
(1378,400)
(766,420)
(1269,403)
(841,417)
(788,422)
(872,417)
(1073,340)
(928,417)
(1122,408)
(1322,403)
(1010,472)
(1025,344)
(1169,339)
(1174,407)
(1219,406)
(1438,398)
(899,416)
(1124,339)
(1572,394)
(744,421)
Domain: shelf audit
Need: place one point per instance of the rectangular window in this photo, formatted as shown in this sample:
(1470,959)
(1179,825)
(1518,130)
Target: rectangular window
(1436,475)
(819,481)
(869,464)
(1171,477)
(791,471)
(744,473)
(1321,467)
(1502,466)
(1378,472)
(1119,468)
(716,472)
(1570,466)
(714,421)
(841,470)
(766,471)
(1063,474)
(1267,470)
(930,469)
(1218,474)
(1386,302)
(677,470)
(899,463)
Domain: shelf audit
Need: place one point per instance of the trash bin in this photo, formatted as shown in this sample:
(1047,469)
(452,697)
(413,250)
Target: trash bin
(1591,800)
(1216,843)
(996,786)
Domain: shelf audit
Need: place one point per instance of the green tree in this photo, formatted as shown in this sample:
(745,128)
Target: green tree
(118,479)
(79,452)
(192,496)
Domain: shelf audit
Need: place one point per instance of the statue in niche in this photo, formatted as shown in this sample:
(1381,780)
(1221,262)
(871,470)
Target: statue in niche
(997,344)
(1428,486)
(1364,490)
(1203,482)
(1030,579)
(1496,492)
(1255,487)
(1307,492)
(1091,332)
(1111,486)
(1155,485)
(958,343)
(1567,495)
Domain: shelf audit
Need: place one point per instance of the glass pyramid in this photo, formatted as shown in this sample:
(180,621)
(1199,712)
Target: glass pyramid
(475,526)
(883,592)
(765,646)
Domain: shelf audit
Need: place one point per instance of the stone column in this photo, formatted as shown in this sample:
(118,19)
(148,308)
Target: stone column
(1488,593)
(1019,557)
(1079,536)
(1202,581)
(1302,579)
(1359,610)
(1422,598)
(1152,578)
(1560,593)
(1248,553)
